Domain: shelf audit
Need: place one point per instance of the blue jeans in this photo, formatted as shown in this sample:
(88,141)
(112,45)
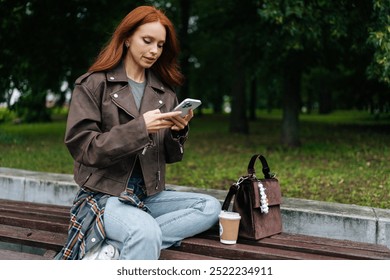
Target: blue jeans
(173,216)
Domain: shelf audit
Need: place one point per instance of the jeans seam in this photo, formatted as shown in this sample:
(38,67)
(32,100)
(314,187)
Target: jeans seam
(194,210)
(119,221)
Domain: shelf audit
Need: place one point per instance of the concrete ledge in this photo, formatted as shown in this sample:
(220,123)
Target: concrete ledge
(301,216)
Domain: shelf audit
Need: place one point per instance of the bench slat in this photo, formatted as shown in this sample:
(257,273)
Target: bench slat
(336,242)
(240,251)
(165,255)
(33,223)
(12,255)
(45,226)
(49,215)
(32,237)
(171,254)
(41,207)
(349,250)
(316,245)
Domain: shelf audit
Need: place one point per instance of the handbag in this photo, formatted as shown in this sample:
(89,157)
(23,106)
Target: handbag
(257,201)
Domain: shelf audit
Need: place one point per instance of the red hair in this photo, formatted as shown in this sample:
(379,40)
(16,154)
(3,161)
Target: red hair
(166,66)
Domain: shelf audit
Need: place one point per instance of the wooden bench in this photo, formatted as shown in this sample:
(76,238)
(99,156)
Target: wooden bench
(44,227)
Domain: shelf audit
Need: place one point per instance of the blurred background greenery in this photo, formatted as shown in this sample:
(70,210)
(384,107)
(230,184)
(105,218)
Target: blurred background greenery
(344,157)
(306,83)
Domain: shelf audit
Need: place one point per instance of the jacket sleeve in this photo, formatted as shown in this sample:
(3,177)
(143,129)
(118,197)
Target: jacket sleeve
(86,141)
(174,144)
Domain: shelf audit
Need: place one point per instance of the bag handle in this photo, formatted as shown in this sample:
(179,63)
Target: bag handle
(266,170)
(228,199)
(251,173)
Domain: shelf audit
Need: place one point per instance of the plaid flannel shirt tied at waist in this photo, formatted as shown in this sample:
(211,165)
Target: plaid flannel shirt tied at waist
(86,229)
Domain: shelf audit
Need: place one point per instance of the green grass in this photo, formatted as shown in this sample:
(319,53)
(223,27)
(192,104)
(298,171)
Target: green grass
(344,157)
(38,147)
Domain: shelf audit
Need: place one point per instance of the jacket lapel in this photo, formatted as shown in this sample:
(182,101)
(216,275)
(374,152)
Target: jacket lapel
(125,100)
(153,98)
(122,97)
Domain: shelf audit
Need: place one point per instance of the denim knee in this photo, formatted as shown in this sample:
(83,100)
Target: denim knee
(212,208)
(142,242)
(148,232)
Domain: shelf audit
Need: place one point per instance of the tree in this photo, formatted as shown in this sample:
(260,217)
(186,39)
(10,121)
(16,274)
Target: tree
(184,38)
(379,38)
(210,57)
(308,34)
(45,44)
(227,53)
(227,46)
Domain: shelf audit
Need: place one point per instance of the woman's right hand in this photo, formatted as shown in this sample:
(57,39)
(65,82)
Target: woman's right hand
(155,120)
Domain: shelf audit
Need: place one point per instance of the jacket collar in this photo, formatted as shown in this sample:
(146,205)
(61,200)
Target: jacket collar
(118,74)
(153,96)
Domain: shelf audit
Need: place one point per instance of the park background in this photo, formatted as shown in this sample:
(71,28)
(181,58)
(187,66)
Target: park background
(305,83)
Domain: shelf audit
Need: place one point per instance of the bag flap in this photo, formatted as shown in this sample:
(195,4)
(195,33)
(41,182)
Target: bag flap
(272,191)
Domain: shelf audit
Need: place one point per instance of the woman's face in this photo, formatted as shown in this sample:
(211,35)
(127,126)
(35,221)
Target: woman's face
(146,45)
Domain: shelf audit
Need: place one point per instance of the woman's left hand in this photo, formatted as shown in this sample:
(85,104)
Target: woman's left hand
(181,122)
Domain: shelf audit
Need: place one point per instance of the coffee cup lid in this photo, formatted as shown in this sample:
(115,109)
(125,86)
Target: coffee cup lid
(229,215)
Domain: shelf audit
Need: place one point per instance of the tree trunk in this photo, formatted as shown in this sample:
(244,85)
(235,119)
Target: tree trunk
(185,47)
(238,117)
(291,102)
(253,99)
(325,101)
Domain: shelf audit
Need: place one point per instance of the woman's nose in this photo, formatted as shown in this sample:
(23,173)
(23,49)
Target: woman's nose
(154,49)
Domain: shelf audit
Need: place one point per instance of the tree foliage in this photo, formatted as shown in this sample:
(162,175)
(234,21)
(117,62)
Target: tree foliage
(379,38)
(46,44)
(256,53)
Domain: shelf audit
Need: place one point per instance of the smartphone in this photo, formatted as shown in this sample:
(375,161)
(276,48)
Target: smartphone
(186,105)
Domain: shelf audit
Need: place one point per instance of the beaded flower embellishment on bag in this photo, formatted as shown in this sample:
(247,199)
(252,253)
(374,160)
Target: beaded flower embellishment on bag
(263,199)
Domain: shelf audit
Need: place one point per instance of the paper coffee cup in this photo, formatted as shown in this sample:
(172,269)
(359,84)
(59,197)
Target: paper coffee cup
(229,223)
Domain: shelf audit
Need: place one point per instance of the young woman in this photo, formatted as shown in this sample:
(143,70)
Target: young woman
(121,132)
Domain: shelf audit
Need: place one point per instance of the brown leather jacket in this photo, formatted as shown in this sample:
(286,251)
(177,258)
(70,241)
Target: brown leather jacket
(106,133)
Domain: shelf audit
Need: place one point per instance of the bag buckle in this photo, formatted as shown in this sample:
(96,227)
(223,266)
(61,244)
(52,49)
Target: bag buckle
(240,180)
(272,175)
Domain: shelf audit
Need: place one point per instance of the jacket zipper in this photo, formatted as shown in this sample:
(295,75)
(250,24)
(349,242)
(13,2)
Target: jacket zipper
(158,175)
(150,144)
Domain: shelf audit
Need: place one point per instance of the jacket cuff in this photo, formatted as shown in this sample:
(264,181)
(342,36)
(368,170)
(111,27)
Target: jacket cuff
(181,135)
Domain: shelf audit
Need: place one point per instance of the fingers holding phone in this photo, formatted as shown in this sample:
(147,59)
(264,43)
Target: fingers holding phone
(181,122)
(155,120)
(177,120)
(186,107)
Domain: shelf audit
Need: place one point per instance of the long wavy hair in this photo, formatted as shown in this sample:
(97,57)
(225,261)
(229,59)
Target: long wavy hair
(166,66)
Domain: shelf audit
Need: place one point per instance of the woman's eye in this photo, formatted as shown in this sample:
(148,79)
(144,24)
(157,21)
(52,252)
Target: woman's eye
(150,41)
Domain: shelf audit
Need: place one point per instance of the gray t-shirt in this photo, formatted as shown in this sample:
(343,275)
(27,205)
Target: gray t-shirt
(138,91)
